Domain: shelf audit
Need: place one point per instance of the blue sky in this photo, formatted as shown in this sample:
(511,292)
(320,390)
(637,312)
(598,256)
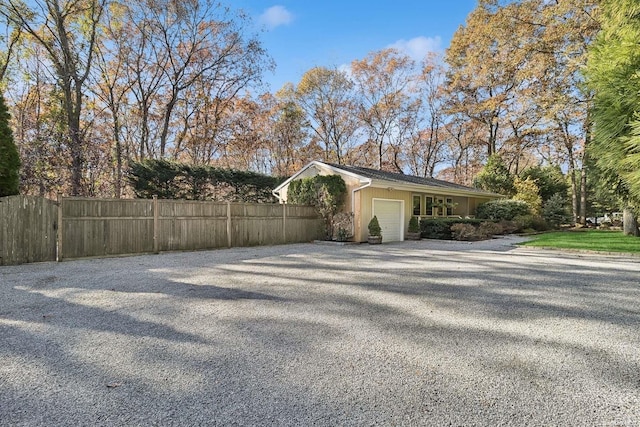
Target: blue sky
(301,34)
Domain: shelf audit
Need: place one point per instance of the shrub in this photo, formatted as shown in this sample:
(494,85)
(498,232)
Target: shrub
(508,227)
(374,227)
(555,212)
(343,234)
(539,224)
(440,228)
(490,229)
(531,222)
(325,192)
(524,222)
(414,225)
(502,209)
(527,191)
(173,180)
(549,179)
(343,226)
(461,231)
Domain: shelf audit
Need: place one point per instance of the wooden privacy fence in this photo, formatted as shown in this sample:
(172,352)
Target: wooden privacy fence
(102,227)
(27,229)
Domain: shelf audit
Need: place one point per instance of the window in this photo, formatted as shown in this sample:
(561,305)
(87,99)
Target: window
(417,205)
(439,207)
(429,205)
(449,206)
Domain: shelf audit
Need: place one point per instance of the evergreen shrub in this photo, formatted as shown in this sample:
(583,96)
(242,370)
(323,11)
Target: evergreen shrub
(440,228)
(502,209)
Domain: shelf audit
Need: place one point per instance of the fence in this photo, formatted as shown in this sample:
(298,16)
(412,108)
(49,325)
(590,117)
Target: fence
(27,229)
(103,227)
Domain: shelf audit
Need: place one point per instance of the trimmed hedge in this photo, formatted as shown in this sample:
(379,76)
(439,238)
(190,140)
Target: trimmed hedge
(440,228)
(173,180)
(506,209)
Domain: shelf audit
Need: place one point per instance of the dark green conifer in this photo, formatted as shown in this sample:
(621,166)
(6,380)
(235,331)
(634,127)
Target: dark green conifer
(9,158)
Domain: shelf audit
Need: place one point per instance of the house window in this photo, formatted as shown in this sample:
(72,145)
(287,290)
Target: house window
(417,205)
(428,205)
(449,206)
(438,202)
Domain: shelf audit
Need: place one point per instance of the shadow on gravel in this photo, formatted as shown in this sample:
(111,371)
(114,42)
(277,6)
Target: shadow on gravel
(60,311)
(358,335)
(500,288)
(199,291)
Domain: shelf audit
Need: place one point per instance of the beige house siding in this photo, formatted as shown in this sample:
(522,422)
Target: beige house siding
(361,192)
(464,206)
(475,202)
(366,207)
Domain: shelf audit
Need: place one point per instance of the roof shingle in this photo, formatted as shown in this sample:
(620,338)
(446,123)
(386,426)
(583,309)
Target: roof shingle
(406,179)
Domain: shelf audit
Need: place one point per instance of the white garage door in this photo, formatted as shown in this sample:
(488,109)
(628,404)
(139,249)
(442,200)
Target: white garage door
(390,217)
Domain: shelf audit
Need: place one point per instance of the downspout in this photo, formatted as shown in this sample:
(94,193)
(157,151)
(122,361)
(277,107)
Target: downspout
(353,204)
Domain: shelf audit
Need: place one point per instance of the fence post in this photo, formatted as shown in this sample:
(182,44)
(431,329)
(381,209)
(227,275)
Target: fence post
(156,221)
(284,223)
(229,224)
(59,231)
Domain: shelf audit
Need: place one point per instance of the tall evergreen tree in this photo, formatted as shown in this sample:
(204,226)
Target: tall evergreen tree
(495,177)
(612,72)
(9,158)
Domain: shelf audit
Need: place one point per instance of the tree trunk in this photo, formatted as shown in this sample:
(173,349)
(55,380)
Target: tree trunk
(76,144)
(77,163)
(630,223)
(166,121)
(118,148)
(583,174)
(574,195)
(583,195)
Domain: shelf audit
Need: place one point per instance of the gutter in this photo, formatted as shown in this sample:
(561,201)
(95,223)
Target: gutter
(435,190)
(353,195)
(353,202)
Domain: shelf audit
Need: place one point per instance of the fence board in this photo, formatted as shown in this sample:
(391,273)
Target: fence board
(101,227)
(27,229)
(303,224)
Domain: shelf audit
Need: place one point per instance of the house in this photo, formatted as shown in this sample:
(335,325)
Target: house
(393,197)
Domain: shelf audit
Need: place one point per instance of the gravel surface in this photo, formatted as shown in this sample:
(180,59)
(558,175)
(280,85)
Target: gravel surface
(412,333)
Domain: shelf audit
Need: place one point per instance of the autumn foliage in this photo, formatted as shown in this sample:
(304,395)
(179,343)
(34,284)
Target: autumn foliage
(107,84)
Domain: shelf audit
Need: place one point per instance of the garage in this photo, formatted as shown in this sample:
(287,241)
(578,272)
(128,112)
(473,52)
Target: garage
(391,218)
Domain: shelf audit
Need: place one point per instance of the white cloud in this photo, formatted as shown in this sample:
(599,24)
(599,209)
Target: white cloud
(418,47)
(276,16)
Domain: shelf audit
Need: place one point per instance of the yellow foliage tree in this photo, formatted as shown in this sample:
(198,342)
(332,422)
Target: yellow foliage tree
(527,191)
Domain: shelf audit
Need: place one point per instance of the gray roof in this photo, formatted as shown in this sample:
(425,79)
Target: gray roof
(406,179)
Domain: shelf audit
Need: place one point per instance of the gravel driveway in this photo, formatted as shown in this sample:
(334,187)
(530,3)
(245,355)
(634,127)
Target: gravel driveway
(412,333)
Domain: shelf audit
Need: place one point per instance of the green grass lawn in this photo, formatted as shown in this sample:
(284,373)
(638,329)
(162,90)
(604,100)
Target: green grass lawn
(594,240)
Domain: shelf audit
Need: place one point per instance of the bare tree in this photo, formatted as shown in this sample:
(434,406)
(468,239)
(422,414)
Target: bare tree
(68,31)
(326,95)
(383,79)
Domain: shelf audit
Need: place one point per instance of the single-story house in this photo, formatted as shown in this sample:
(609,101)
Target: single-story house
(393,197)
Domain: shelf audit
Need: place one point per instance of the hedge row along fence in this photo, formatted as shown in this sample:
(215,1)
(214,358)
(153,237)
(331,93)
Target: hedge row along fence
(173,180)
